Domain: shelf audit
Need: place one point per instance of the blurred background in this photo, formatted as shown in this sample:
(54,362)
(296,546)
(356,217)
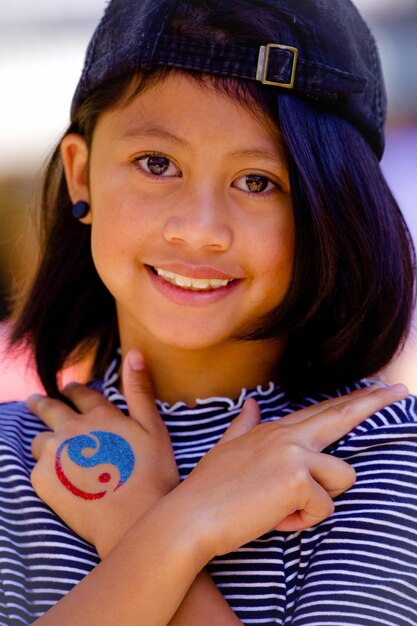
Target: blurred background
(42,46)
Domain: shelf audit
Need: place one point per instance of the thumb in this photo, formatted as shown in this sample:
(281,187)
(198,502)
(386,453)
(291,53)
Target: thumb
(247,419)
(137,389)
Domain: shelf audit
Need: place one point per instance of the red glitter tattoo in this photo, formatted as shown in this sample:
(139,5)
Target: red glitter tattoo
(109,449)
(71,487)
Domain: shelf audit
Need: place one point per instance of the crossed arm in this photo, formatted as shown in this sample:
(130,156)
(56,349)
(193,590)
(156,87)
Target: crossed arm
(153,553)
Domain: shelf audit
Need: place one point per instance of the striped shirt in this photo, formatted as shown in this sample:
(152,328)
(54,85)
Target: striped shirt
(357,567)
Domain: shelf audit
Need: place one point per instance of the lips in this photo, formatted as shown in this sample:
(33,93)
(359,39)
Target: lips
(192,278)
(194,284)
(189,286)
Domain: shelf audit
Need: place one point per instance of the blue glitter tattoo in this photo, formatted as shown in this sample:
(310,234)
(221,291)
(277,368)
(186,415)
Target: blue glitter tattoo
(112,449)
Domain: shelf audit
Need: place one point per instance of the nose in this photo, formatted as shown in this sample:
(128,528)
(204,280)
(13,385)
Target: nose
(201,220)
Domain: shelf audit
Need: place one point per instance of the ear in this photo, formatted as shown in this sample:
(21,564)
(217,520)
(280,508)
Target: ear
(74,153)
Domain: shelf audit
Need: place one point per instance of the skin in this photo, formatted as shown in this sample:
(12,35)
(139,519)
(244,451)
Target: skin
(156,532)
(199,214)
(165,541)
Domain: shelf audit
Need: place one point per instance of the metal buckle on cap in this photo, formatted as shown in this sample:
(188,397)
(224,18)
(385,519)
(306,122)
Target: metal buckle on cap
(263,60)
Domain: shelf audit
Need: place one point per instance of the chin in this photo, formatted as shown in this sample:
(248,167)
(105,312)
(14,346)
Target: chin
(190,337)
(192,344)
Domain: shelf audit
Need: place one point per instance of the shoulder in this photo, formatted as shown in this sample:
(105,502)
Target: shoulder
(16,415)
(394,422)
(41,559)
(400,416)
(364,554)
(401,412)
(16,420)
(390,433)
(18,427)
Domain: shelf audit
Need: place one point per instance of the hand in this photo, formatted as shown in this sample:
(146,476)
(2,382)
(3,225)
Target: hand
(273,475)
(103,520)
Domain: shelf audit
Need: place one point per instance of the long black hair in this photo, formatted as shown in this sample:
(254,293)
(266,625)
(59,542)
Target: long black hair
(349,304)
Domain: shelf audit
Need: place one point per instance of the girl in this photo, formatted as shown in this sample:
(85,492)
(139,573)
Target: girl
(216,210)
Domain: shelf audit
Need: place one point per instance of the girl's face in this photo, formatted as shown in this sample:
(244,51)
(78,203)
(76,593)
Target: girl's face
(192,226)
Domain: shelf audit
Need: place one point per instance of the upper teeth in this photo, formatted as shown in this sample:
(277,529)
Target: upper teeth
(192,283)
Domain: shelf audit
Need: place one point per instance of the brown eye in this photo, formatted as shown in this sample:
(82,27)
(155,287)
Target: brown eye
(157,165)
(255,183)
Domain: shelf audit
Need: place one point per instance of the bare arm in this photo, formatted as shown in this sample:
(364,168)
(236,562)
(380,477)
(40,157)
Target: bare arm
(204,604)
(153,564)
(142,581)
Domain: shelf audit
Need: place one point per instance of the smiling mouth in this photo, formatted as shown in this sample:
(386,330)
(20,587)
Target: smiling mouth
(192,284)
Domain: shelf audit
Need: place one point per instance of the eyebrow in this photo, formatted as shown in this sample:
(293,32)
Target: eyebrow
(277,158)
(153,131)
(161,133)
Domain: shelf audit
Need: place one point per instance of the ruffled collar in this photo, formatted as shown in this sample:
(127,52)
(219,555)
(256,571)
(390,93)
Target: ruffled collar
(110,389)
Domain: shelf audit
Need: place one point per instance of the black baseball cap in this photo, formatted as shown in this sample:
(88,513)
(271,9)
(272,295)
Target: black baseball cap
(324,51)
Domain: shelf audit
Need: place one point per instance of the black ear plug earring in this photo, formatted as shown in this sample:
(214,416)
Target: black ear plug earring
(80,209)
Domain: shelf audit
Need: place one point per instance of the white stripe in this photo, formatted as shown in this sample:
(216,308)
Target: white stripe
(254,574)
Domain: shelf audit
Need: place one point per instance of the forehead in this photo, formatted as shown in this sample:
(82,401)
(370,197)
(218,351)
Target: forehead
(180,104)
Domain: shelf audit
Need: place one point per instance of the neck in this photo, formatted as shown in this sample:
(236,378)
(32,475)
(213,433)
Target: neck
(185,375)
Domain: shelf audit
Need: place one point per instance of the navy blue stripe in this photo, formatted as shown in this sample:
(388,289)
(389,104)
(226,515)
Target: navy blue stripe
(358,567)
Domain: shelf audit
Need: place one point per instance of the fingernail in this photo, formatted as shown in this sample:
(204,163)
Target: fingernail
(34,396)
(135,360)
(400,389)
(71,385)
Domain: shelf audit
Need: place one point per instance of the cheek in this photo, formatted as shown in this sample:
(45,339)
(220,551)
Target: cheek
(115,242)
(277,275)
(119,217)
(109,241)
(272,249)
(275,264)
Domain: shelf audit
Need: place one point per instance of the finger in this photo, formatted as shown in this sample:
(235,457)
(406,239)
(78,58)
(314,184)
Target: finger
(314,409)
(84,398)
(333,474)
(53,412)
(39,442)
(317,507)
(244,422)
(334,422)
(137,388)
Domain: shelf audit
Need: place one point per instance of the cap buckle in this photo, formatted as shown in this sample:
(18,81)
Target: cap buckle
(263,61)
